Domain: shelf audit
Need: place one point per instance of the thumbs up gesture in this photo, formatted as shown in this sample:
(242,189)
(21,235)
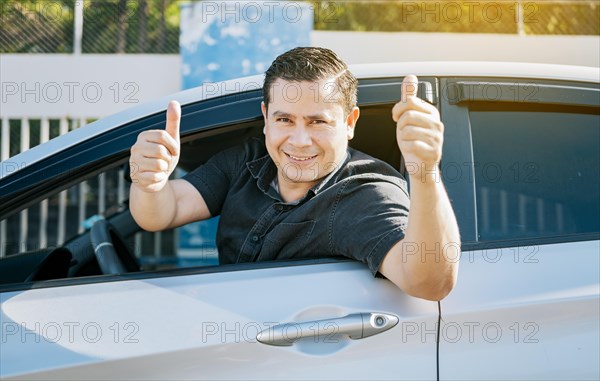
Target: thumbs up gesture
(419,132)
(155,154)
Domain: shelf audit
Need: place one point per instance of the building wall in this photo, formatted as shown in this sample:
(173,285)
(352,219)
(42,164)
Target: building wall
(89,85)
(93,86)
(360,47)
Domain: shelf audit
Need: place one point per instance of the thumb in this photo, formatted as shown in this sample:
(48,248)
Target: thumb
(173,119)
(409,86)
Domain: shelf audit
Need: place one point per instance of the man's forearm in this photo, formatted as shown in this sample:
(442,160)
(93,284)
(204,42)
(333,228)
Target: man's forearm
(153,211)
(425,263)
(431,261)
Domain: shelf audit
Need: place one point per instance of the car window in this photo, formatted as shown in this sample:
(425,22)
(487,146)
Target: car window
(536,169)
(64,217)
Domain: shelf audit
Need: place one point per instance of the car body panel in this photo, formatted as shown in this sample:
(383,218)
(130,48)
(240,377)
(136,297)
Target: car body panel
(529,312)
(205,326)
(509,304)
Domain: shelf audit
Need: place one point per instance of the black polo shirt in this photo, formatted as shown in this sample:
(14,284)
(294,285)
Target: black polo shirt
(359,211)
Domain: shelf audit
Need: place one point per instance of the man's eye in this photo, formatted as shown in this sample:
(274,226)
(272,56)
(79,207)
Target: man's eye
(283,120)
(318,121)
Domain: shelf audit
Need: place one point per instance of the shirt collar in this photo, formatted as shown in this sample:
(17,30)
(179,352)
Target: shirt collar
(330,178)
(264,170)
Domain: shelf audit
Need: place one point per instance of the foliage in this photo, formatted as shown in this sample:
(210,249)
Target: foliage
(152,26)
(537,17)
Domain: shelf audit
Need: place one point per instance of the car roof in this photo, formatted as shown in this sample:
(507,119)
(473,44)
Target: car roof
(361,71)
(478,69)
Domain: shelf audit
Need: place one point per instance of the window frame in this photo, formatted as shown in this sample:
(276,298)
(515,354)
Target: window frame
(458,94)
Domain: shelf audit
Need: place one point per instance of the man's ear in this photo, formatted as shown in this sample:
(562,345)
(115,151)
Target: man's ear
(264,112)
(351,121)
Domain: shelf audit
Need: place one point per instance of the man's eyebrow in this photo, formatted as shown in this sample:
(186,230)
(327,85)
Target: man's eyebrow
(282,114)
(317,116)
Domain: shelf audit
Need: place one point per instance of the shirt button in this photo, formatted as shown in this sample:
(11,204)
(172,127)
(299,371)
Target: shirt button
(279,207)
(255,238)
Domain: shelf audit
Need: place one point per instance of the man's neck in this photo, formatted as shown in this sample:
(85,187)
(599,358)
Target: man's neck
(292,191)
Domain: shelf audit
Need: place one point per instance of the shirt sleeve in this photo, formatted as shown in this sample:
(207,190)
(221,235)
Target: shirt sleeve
(213,179)
(369,218)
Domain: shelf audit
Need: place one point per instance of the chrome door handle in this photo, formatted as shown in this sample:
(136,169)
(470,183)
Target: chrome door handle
(355,326)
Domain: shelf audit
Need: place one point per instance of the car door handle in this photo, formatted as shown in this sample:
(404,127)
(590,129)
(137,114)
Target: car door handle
(355,326)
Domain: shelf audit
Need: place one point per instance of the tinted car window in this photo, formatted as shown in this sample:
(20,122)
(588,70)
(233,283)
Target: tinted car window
(536,170)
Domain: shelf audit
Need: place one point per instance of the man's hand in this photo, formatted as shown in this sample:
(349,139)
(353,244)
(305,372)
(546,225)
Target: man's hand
(155,154)
(432,227)
(419,132)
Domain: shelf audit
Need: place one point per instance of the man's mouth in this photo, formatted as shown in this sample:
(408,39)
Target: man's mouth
(300,158)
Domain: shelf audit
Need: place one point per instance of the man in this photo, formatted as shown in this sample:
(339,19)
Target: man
(302,192)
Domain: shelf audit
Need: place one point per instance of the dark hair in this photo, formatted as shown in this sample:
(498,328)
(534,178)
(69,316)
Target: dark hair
(313,64)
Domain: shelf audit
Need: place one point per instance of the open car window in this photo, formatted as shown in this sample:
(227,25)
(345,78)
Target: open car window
(64,218)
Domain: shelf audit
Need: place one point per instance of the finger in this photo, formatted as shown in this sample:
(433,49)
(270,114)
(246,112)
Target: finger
(414,103)
(173,119)
(164,138)
(155,151)
(153,165)
(421,119)
(415,133)
(422,151)
(409,87)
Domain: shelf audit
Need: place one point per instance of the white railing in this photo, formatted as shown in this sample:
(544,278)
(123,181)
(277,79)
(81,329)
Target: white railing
(38,217)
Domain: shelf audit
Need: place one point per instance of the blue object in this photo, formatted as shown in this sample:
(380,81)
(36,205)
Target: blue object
(226,40)
(87,224)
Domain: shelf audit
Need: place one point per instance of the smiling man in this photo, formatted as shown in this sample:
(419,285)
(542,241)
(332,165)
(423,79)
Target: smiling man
(301,192)
(307,128)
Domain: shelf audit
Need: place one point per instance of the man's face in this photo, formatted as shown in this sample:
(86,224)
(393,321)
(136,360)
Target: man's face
(306,131)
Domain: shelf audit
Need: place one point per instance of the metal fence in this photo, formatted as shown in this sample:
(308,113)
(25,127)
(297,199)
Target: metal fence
(152,26)
(62,216)
(108,26)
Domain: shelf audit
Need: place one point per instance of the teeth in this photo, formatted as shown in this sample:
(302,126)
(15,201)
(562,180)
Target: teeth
(300,158)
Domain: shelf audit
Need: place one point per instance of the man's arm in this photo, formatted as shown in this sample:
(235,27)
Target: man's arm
(425,263)
(155,202)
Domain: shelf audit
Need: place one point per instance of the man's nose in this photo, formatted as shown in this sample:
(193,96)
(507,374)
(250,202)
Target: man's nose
(300,136)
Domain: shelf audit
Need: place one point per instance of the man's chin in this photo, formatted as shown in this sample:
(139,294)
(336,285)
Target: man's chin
(306,180)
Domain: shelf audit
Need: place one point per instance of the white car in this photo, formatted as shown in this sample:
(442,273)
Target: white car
(521,165)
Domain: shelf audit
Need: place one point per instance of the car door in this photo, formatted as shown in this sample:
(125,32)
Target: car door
(205,326)
(317,319)
(525,169)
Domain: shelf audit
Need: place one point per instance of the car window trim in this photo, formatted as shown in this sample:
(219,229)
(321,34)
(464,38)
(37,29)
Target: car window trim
(176,272)
(457,152)
(529,241)
(518,92)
